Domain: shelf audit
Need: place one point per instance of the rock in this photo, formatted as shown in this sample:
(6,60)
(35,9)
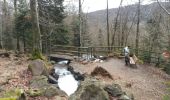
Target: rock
(53,74)
(40,87)
(35,92)
(52,62)
(52,80)
(101,71)
(90,90)
(78,76)
(5,54)
(14,94)
(52,91)
(39,82)
(37,67)
(113,90)
(124,97)
(60,98)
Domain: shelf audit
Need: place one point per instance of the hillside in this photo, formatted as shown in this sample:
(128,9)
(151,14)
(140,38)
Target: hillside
(97,19)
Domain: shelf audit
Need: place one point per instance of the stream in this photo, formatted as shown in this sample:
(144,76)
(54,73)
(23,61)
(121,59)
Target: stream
(66,80)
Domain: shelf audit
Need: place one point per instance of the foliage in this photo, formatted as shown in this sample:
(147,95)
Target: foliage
(75,30)
(52,9)
(36,54)
(167,68)
(146,56)
(60,36)
(22,24)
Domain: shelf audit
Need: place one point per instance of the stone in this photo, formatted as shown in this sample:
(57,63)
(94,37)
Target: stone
(14,94)
(60,98)
(90,90)
(124,97)
(35,92)
(39,81)
(113,90)
(40,87)
(37,68)
(52,62)
(52,91)
(52,80)
(102,72)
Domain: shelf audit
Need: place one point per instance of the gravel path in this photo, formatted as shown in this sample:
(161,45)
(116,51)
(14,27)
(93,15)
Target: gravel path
(145,82)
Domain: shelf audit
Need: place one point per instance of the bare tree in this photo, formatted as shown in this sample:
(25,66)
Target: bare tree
(116,24)
(137,31)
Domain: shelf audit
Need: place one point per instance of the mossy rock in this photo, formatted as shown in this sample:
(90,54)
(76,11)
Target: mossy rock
(35,92)
(90,90)
(113,90)
(8,99)
(14,94)
(39,82)
(53,91)
(40,87)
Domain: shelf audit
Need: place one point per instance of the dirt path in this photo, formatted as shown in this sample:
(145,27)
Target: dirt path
(145,82)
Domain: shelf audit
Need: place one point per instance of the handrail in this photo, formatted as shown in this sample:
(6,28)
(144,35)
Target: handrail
(95,50)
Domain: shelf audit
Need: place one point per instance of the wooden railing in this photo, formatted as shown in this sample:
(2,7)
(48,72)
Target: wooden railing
(146,56)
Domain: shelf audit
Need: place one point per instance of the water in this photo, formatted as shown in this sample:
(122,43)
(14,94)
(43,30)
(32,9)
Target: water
(66,80)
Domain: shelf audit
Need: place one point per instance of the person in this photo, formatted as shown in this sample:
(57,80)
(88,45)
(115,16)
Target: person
(126,54)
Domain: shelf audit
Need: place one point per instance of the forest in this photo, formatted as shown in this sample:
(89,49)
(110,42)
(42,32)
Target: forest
(46,44)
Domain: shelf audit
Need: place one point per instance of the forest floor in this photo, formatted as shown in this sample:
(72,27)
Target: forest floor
(145,82)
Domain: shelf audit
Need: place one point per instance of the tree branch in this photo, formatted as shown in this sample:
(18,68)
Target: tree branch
(163,7)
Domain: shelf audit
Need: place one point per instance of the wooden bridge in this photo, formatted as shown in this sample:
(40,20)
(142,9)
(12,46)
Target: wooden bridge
(114,51)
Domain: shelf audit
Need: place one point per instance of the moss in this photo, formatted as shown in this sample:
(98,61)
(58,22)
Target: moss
(8,99)
(14,94)
(36,54)
(35,92)
(166,97)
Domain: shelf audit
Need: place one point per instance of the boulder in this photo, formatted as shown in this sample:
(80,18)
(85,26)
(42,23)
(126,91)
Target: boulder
(101,72)
(39,82)
(40,87)
(113,90)
(90,90)
(14,94)
(37,68)
(53,91)
(35,92)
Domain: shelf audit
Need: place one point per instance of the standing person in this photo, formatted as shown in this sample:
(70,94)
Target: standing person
(126,54)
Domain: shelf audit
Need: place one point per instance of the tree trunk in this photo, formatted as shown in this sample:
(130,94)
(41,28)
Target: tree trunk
(35,26)
(137,31)
(18,44)
(108,34)
(115,25)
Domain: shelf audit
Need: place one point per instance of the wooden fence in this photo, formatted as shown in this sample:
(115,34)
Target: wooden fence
(146,56)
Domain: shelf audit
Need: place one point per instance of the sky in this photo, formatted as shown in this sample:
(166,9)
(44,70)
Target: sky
(94,5)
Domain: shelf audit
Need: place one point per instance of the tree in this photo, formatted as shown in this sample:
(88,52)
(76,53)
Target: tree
(51,13)
(137,29)
(22,24)
(6,26)
(37,45)
(116,24)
